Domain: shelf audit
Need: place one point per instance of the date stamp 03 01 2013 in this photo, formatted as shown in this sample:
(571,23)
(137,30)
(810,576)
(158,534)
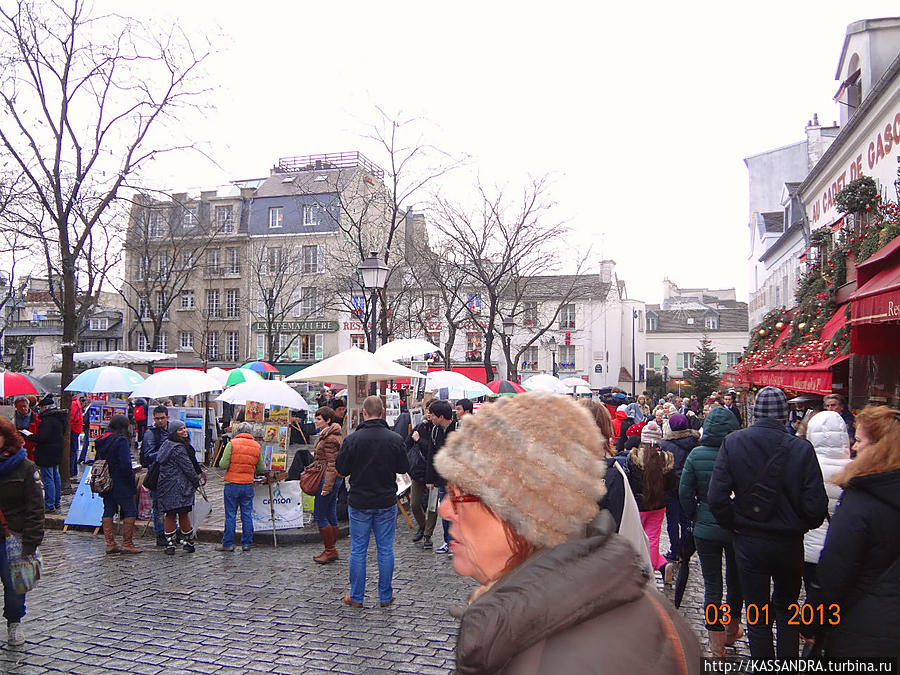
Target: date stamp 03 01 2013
(800,614)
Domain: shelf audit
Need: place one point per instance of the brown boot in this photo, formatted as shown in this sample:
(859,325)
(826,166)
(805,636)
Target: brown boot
(127,534)
(716,643)
(331,550)
(324,533)
(109,532)
(733,632)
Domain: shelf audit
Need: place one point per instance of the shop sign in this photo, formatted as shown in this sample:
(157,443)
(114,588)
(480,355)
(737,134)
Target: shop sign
(297,326)
(868,156)
(356,326)
(817,382)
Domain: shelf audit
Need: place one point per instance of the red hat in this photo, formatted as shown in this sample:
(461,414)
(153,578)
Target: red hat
(634,430)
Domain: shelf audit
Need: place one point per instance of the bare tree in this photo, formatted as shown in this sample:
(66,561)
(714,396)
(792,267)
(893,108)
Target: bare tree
(505,242)
(79,98)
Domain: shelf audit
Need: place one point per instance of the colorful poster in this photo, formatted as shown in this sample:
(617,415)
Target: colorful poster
(271,433)
(268,450)
(279,460)
(280,416)
(283,437)
(108,412)
(99,398)
(94,414)
(254,412)
(94,431)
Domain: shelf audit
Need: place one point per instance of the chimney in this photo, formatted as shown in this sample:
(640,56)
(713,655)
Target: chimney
(816,119)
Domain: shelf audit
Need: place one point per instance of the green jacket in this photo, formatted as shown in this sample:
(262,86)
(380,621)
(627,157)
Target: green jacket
(697,472)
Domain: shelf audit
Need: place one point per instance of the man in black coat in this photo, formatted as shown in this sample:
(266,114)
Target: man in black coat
(371,457)
(418,447)
(778,495)
(444,424)
(48,449)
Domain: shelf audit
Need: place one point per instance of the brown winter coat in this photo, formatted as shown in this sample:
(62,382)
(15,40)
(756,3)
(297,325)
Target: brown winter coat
(326,451)
(22,501)
(580,607)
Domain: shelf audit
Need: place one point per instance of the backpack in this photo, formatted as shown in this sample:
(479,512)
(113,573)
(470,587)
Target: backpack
(140,414)
(101,480)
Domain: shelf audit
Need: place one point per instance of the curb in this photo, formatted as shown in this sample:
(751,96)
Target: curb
(144,530)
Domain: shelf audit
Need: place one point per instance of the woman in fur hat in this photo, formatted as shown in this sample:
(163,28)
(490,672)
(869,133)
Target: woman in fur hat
(522,506)
(651,477)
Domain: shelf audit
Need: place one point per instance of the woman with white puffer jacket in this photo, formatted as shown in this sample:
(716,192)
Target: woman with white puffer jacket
(828,435)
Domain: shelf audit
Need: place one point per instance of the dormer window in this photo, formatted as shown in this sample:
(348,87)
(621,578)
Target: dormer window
(711,323)
(652,322)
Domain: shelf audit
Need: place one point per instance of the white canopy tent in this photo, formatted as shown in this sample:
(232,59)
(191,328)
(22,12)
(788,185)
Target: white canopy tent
(117,357)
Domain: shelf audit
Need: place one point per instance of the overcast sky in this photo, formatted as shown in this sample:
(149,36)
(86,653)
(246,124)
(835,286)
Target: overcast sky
(643,111)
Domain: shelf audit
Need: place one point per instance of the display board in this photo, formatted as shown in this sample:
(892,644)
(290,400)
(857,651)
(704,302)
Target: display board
(391,408)
(100,412)
(193,419)
(86,507)
(287,501)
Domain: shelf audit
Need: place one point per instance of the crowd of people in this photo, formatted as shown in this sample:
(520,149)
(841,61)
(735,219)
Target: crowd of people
(560,523)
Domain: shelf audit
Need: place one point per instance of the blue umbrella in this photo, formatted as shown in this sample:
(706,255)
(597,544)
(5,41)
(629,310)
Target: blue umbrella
(106,379)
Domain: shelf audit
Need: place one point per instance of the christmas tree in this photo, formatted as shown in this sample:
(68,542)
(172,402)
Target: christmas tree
(705,377)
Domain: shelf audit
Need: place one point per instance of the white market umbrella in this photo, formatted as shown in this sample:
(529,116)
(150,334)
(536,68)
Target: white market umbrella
(239,375)
(176,382)
(106,379)
(220,374)
(573,382)
(353,362)
(119,357)
(457,385)
(270,392)
(405,348)
(544,382)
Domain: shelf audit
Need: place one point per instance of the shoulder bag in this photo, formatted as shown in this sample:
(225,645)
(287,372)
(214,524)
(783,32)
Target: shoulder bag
(25,570)
(311,478)
(151,480)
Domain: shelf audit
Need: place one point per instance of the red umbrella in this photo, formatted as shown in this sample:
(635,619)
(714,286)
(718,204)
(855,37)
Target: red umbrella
(17,384)
(505,387)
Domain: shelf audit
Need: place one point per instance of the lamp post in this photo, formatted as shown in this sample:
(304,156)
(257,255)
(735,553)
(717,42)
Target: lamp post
(508,327)
(665,366)
(374,275)
(634,316)
(552,344)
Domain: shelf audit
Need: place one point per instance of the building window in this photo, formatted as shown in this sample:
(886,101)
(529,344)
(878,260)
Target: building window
(358,303)
(642,372)
(163,265)
(162,307)
(187,260)
(162,343)
(473,346)
(29,357)
(272,261)
(155,224)
(310,303)
(311,347)
(143,309)
(98,324)
(473,303)
(530,359)
(358,340)
(732,359)
(276,217)
(313,214)
(566,357)
(143,269)
(212,304)
(529,313)
(142,343)
(212,346)
(652,322)
(567,317)
(186,341)
(690,321)
(651,360)
(187,299)
(232,303)
(711,323)
(685,360)
(232,261)
(312,260)
(213,261)
(232,346)
(225,219)
(190,218)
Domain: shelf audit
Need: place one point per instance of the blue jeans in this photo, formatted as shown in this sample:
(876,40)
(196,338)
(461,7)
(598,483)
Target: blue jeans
(52,486)
(363,522)
(14,604)
(325,508)
(238,495)
(676,523)
(123,505)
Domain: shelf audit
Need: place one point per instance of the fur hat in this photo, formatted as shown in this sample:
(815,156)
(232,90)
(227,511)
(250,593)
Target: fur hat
(651,433)
(678,422)
(543,479)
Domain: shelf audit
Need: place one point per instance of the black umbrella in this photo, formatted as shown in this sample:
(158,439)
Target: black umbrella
(688,547)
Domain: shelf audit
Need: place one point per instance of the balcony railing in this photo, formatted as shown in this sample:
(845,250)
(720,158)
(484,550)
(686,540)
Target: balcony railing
(335,160)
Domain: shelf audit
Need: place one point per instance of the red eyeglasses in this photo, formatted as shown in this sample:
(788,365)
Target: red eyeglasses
(457,497)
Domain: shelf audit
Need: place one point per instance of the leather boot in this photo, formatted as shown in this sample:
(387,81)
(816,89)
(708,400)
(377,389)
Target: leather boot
(127,534)
(109,531)
(716,643)
(171,542)
(330,548)
(733,632)
(324,533)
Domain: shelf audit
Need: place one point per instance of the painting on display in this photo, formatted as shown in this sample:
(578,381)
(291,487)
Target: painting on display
(254,412)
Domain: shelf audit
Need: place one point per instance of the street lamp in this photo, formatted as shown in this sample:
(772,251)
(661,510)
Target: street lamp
(665,366)
(508,327)
(374,275)
(552,344)
(634,316)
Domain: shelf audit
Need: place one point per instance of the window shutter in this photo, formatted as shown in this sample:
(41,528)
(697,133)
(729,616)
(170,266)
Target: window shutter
(320,346)
(320,258)
(679,365)
(657,361)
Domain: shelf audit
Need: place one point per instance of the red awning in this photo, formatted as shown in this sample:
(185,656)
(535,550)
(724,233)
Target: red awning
(472,372)
(815,379)
(878,300)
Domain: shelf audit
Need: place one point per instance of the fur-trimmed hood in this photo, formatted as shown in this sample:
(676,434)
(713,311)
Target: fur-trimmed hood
(684,433)
(637,456)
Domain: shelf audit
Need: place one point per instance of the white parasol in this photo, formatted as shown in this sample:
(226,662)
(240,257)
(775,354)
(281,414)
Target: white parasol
(544,382)
(106,379)
(176,382)
(456,384)
(405,348)
(118,357)
(270,392)
(353,362)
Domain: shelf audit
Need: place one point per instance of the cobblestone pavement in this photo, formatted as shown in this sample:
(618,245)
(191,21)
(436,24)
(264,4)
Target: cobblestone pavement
(268,610)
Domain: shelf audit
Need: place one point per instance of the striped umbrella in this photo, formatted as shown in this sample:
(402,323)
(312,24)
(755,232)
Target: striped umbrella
(506,388)
(106,379)
(239,375)
(260,367)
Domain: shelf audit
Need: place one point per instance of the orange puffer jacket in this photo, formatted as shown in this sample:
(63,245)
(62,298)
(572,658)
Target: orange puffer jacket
(244,456)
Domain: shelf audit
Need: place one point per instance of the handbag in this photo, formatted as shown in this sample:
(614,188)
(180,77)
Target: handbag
(24,570)
(311,478)
(151,480)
